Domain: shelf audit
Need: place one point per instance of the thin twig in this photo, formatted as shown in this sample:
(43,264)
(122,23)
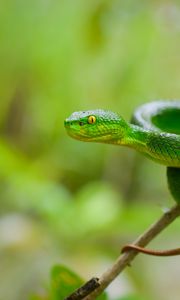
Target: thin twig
(124,260)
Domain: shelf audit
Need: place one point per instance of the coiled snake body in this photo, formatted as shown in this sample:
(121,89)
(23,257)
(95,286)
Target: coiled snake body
(162,120)
(154,131)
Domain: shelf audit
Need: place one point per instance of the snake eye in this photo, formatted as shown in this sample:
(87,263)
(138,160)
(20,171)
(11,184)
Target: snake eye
(91,119)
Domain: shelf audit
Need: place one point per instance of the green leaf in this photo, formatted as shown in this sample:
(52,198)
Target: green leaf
(103,296)
(63,282)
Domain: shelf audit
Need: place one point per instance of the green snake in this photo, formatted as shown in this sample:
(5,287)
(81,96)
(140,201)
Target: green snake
(154,130)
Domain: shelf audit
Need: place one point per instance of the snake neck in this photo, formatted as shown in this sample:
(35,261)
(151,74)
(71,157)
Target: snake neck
(136,137)
(161,147)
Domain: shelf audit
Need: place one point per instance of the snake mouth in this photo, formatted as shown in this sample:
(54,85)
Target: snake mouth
(101,137)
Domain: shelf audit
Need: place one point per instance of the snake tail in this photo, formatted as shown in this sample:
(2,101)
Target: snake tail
(171,252)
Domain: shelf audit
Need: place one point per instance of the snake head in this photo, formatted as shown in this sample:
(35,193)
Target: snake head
(96,125)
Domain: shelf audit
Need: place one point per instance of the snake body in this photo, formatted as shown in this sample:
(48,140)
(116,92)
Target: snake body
(154,130)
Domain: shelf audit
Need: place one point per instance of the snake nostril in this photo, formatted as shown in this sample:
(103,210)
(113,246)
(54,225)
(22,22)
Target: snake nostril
(66,123)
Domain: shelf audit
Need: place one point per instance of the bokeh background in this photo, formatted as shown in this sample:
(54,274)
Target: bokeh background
(63,201)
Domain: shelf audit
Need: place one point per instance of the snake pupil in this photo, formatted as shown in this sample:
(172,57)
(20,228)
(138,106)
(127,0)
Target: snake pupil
(91,119)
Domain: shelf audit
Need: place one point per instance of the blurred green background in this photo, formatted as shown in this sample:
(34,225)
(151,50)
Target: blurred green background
(63,201)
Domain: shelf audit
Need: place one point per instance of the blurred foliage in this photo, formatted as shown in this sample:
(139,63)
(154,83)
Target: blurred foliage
(68,202)
(64,282)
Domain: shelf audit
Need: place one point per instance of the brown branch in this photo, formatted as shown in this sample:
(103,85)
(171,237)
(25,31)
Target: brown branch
(84,290)
(125,259)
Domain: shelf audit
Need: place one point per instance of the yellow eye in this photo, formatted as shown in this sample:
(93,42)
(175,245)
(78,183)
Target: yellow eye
(91,119)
